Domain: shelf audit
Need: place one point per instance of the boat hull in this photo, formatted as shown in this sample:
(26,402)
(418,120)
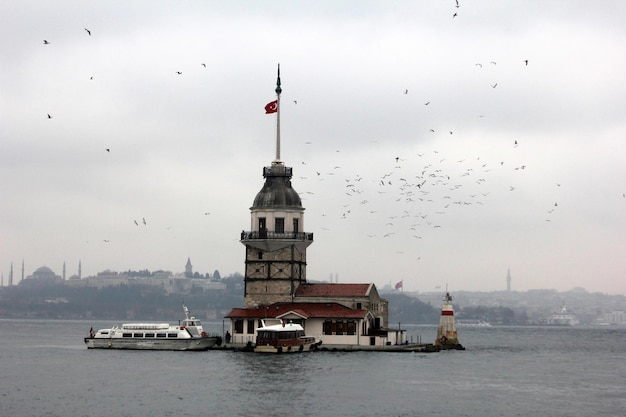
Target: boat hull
(193,344)
(305,347)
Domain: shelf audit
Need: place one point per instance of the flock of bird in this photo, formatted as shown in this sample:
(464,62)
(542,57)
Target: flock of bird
(423,188)
(414,195)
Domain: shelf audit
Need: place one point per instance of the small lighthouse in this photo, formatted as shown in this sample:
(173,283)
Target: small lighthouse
(446,332)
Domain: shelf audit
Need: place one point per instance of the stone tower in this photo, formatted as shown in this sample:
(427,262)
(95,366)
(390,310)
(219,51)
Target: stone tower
(188,268)
(276,243)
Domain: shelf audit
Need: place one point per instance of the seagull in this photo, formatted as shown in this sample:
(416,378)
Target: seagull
(515,144)
(204,65)
(406,91)
(88,31)
(45,42)
(178,72)
(144,220)
(136,224)
(495,85)
(454,15)
(49,117)
(427,103)
(526,61)
(493,62)
(479,65)
(295,102)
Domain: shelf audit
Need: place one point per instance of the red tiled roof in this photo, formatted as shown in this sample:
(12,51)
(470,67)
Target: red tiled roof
(307,310)
(333,290)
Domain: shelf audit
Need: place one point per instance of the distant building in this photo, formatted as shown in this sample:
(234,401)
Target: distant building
(42,276)
(508,279)
(188,269)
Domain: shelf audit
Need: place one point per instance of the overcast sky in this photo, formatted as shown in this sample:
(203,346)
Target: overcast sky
(430,144)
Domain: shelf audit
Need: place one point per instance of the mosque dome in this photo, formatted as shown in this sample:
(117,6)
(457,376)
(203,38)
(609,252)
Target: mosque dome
(277,191)
(44,273)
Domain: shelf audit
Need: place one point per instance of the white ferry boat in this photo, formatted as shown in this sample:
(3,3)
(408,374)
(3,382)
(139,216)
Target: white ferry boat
(283,338)
(188,335)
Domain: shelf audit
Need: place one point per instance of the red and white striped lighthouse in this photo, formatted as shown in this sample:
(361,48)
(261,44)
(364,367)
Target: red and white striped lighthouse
(446,332)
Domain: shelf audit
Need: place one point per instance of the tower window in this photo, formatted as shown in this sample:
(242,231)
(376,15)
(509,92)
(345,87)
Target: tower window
(280,225)
(295,225)
(260,255)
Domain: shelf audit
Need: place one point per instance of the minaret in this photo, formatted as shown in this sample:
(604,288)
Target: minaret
(63,270)
(80,270)
(508,279)
(22,270)
(11,275)
(275,245)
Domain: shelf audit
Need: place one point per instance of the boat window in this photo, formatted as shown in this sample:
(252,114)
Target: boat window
(138,335)
(160,334)
(149,334)
(172,335)
(127,335)
(104,332)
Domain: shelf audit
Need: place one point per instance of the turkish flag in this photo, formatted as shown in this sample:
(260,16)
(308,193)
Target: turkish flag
(271,107)
(398,285)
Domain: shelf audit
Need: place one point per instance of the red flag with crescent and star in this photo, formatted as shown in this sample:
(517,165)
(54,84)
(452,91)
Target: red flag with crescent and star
(398,285)
(271,107)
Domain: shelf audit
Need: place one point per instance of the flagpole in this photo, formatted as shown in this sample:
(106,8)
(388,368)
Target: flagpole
(278,91)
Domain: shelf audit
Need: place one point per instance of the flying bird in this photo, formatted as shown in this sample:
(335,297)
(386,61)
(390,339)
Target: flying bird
(49,117)
(88,31)
(45,42)
(108,149)
(478,65)
(178,72)
(144,220)
(526,61)
(495,85)
(406,91)
(204,65)
(136,224)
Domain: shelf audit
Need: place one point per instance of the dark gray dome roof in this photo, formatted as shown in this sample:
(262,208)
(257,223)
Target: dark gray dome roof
(277,192)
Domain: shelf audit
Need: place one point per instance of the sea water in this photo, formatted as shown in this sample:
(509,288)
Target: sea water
(506,371)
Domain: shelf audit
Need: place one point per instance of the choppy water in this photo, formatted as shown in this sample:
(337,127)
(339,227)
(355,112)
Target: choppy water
(505,371)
